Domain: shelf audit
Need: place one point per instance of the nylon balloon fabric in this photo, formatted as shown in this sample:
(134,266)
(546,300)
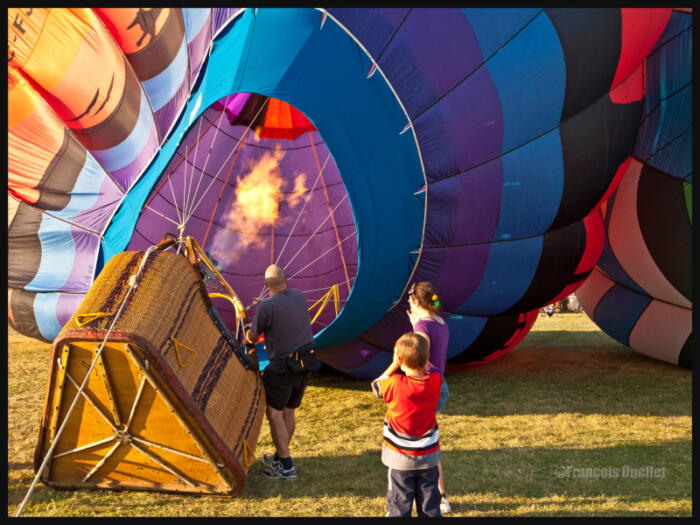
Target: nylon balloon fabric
(360,149)
(640,292)
(88,107)
(513,183)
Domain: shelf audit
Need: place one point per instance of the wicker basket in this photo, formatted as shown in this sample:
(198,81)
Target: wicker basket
(171,404)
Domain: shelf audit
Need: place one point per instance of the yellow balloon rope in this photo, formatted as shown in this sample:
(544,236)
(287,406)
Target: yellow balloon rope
(247,453)
(332,292)
(83,319)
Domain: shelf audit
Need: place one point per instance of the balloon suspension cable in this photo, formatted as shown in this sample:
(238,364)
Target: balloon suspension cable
(187,187)
(187,203)
(179,161)
(222,191)
(133,283)
(332,214)
(213,268)
(299,215)
(300,250)
(180,239)
(263,291)
(193,207)
(255,301)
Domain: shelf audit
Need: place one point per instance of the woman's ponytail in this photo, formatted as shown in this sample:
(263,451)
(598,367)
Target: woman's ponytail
(426,296)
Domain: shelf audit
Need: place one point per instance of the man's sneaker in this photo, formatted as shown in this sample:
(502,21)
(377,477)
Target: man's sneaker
(270,461)
(280,472)
(445,505)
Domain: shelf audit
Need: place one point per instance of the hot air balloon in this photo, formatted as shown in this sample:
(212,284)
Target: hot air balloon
(361,149)
(640,292)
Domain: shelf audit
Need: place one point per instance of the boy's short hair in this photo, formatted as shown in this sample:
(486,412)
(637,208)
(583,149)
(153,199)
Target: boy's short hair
(413,350)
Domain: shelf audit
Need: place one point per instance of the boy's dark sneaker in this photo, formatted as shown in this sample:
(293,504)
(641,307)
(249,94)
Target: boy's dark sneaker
(270,461)
(280,472)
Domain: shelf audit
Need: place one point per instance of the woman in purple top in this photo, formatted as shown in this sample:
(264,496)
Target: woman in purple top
(425,305)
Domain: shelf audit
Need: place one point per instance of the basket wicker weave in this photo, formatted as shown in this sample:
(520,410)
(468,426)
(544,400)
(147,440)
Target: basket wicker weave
(169,406)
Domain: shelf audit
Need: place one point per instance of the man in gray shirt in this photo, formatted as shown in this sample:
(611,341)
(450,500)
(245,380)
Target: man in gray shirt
(284,319)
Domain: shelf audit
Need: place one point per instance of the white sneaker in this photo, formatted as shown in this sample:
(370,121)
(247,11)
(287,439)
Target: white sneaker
(445,505)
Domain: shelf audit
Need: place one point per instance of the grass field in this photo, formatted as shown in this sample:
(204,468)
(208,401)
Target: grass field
(564,425)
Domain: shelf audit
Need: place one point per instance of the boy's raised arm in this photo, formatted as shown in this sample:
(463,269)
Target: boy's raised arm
(393,367)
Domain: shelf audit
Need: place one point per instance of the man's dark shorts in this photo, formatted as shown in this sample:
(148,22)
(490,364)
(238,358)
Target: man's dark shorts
(284,390)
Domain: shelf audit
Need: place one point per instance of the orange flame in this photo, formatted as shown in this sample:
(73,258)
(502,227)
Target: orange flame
(299,189)
(255,209)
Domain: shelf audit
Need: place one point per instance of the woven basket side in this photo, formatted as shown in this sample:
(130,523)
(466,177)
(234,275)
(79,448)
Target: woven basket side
(166,293)
(167,306)
(235,408)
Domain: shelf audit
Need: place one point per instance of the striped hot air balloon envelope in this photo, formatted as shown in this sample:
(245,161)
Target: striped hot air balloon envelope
(640,292)
(85,117)
(360,149)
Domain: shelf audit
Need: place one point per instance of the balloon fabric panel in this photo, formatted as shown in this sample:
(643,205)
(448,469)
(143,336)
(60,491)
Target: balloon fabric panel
(153,41)
(92,88)
(198,28)
(665,137)
(596,120)
(630,249)
(641,29)
(499,334)
(18,303)
(617,312)
(36,141)
(663,331)
(666,227)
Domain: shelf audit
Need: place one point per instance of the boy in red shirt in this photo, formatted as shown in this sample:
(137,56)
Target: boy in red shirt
(410,448)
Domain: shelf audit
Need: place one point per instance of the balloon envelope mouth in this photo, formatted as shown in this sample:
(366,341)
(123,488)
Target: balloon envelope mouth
(254,183)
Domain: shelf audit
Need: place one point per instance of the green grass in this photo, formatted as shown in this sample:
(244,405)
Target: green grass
(517,435)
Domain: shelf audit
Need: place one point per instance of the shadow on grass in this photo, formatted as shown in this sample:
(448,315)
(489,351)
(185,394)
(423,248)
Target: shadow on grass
(608,379)
(515,475)
(544,475)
